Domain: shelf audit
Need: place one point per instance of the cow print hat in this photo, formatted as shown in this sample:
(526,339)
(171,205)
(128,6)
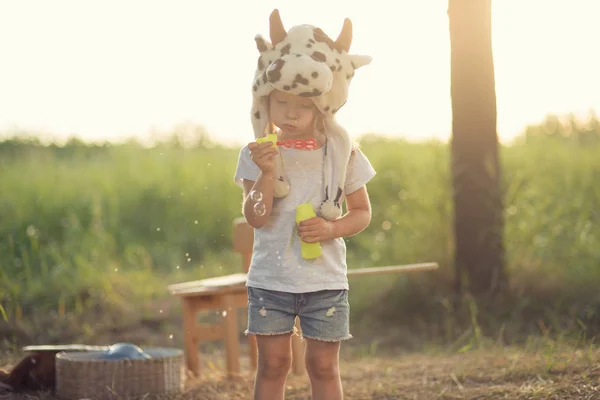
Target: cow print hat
(304,61)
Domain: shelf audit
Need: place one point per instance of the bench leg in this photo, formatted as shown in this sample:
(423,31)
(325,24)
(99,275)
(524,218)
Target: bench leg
(232,345)
(189,337)
(298,366)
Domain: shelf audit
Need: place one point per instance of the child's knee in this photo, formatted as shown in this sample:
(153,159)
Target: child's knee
(274,367)
(322,368)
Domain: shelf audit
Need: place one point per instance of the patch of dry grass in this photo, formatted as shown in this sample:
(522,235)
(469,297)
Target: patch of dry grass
(548,372)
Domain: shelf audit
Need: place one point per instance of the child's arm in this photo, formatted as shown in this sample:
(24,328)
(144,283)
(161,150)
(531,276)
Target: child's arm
(264,185)
(263,155)
(357,217)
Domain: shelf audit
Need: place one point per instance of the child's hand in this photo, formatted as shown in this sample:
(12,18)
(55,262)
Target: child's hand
(263,155)
(315,229)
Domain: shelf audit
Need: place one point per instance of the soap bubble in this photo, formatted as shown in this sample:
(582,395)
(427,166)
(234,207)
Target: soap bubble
(260,209)
(256,195)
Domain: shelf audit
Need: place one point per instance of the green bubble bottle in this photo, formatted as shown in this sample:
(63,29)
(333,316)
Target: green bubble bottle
(271,137)
(309,250)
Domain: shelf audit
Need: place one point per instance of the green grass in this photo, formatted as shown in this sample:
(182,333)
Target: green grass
(106,228)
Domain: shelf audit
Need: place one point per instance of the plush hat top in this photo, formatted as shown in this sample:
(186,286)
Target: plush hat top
(304,61)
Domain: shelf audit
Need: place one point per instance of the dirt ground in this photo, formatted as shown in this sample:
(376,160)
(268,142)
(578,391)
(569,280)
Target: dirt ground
(498,373)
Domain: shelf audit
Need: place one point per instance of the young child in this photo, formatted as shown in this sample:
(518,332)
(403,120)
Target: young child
(301,81)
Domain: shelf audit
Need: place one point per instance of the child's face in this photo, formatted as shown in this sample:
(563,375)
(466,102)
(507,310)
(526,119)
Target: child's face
(294,115)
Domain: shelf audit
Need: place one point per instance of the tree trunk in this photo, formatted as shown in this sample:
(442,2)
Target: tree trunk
(478,205)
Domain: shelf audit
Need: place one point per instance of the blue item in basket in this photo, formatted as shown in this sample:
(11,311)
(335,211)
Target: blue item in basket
(125,351)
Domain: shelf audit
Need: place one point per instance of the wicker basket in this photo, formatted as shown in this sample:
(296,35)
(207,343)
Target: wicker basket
(88,376)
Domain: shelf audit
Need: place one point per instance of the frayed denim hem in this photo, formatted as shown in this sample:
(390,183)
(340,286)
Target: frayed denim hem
(247,332)
(328,339)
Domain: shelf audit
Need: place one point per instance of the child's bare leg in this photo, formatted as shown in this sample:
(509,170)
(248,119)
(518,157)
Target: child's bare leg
(274,361)
(322,365)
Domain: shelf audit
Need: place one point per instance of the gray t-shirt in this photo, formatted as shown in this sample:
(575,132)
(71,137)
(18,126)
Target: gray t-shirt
(277,262)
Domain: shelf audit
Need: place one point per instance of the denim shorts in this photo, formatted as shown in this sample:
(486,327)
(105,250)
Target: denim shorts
(324,315)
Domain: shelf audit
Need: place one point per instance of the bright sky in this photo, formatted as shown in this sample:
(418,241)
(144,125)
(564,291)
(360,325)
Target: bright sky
(114,68)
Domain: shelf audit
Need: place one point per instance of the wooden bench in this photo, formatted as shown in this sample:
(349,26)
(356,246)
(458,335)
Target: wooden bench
(228,294)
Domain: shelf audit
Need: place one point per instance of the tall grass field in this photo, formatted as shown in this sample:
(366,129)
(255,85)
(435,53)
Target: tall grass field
(92,234)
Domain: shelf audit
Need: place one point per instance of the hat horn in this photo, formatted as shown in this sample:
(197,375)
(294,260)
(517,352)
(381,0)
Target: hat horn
(277,31)
(345,38)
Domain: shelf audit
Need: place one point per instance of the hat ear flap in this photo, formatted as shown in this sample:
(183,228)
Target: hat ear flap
(262,44)
(360,60)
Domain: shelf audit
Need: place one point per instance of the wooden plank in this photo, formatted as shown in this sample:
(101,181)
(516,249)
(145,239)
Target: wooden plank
(209,332)
(393,269)
(241,299)
(192,359)
(210,283)
(209,291)
(232,344)
(235,282)
(200,301)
